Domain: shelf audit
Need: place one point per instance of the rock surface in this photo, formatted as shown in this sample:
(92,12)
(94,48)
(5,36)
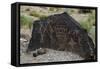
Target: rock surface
(62,33)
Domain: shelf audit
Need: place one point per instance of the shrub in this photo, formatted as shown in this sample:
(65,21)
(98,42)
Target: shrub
(42,17)
(51,9)
(35,14)
(25,21)
(87,24)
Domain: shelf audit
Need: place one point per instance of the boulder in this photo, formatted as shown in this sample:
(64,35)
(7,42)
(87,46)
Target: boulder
(61,32)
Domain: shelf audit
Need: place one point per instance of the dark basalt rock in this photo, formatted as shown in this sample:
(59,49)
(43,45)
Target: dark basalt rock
(39,52)
(61,32)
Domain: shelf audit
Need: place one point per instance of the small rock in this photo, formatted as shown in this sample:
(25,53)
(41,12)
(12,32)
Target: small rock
(35,54)
(41,51)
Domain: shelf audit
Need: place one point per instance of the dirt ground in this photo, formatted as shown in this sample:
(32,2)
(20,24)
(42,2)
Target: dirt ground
(50,56)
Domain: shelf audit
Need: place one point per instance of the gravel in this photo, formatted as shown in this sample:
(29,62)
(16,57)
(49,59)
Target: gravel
(50,56)
(54,56)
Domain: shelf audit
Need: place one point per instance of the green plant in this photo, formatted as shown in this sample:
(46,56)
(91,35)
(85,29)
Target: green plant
(25,21)
(92,33)
(51,9)
(35,14)
(42,17)
(87,24)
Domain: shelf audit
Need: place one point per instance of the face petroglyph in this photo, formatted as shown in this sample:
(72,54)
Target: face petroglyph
(63,33)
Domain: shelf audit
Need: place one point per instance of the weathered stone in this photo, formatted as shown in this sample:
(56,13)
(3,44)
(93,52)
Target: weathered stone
(39,51)
(61,32)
